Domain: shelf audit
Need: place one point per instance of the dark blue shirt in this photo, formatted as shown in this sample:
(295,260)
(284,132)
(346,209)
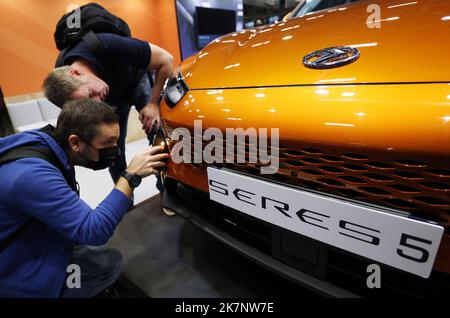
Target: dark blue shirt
(125,63)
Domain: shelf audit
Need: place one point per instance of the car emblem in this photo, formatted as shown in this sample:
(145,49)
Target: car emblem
(331,57)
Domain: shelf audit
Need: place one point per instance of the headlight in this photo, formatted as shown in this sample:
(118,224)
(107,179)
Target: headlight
(174,90)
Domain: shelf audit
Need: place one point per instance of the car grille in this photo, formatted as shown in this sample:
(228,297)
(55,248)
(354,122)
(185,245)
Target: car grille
(421,187)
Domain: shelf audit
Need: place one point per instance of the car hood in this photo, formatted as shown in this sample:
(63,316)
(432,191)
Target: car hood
(410,45)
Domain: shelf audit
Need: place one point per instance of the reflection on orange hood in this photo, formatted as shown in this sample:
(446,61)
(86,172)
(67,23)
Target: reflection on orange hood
(410,46)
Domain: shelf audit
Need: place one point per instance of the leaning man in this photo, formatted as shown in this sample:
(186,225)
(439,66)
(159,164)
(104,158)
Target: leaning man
(44,225)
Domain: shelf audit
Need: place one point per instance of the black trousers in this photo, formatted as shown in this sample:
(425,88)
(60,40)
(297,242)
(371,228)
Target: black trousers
(139,98)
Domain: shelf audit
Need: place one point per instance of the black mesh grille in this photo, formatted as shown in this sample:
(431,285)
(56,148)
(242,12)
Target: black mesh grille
(418,187)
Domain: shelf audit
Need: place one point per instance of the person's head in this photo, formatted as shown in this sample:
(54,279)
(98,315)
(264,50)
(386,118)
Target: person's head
(88,130)
(73,82)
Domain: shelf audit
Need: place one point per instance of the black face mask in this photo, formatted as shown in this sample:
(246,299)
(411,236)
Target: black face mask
(106,157)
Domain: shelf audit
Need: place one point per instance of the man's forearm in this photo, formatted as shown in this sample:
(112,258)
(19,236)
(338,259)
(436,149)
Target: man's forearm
(123,186)
(162,75)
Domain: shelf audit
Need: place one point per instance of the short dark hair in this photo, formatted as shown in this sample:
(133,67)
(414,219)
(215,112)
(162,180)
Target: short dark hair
(83,118)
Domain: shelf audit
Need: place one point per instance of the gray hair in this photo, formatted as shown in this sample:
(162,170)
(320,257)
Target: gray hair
(59,85)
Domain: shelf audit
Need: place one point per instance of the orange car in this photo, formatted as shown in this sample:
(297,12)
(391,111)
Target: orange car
(360,95)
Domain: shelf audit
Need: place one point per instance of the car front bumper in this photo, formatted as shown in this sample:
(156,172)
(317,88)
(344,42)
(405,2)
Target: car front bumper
(321,268)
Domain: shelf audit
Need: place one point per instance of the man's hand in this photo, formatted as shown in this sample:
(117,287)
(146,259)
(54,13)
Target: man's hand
(150,117)
(146,163)
(143,164)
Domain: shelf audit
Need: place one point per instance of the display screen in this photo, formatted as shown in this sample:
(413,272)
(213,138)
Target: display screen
(212,23)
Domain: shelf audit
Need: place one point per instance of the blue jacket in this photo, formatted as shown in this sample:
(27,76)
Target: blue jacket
(41,218)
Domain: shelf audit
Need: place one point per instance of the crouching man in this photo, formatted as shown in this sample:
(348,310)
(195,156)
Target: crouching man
(44,224)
